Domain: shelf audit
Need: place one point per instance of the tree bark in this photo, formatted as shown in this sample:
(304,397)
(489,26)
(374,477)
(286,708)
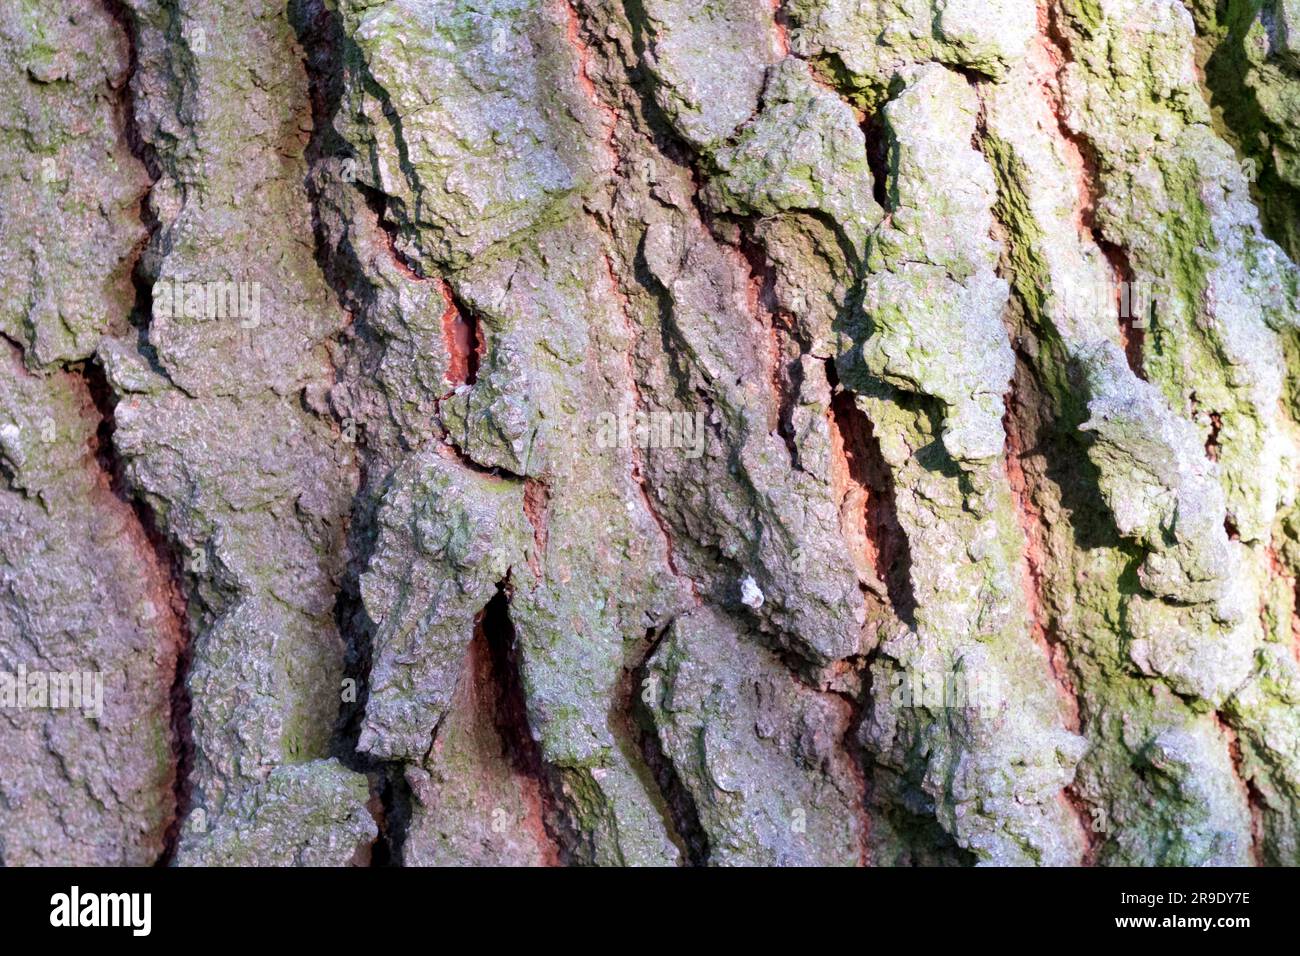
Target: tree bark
(637,432)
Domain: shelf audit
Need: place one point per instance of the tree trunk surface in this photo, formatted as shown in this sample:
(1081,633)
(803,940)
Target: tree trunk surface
(645,432)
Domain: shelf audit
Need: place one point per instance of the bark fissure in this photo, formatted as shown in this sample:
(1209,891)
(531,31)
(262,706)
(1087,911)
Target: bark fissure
(1245,783)
(638,405)
(1021,444)
(463,334)
(520,747)
(678,805)
(168,569)
(868,513)
(319,31)
(1048,61)
(1030,518)
(876,143)
(785,349)
(537,498)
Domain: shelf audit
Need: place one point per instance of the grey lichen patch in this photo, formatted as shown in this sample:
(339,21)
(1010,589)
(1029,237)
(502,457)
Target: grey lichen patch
(576,655)
(425,143)
(758,751)
(126,370)
(863,47)
(708,60)
(312,814)
(446,537)
(934,299)
(1133,815)
(803,152)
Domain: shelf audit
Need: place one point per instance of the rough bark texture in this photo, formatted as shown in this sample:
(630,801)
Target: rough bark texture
(644,432)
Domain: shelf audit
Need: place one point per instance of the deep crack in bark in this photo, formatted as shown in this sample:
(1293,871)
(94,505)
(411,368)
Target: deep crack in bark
(319,33)
(684,819)
(519,746)
(169,570)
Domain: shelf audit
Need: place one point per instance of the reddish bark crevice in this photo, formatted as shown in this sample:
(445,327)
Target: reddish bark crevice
(377,201)
(573,36)
(462,333)
(1034,527)
(320,35)
(496,631)
(1132,326)
(537,498)
(1040,624)
(817,72)
(1254,799)
(147,155)
(164,570)
(160,574)
(1047,59)
(144,153)
(864,491)
(1082,811)
(1042,627)
(781,26)
(390,793)
(783,350)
